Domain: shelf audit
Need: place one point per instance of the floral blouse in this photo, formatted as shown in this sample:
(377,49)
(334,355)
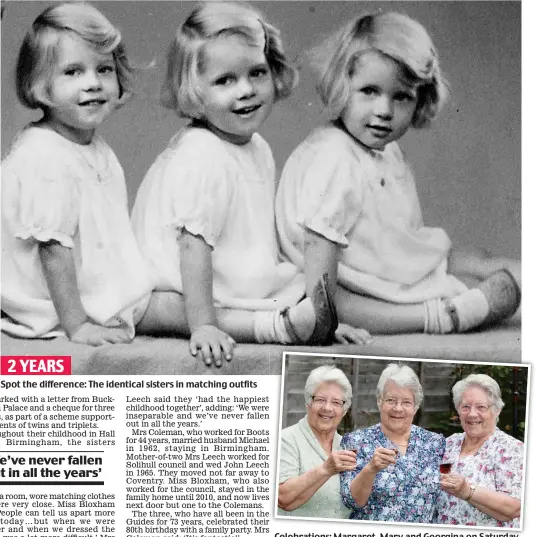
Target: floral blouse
(498,465)
(404,492)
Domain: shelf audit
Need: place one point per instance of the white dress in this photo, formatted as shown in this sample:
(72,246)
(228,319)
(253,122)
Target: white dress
(54,189)
(224,193)
(366,202)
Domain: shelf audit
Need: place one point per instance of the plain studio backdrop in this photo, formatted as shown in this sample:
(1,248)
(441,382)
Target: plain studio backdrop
(467,164)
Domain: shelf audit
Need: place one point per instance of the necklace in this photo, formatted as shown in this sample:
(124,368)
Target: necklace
(94,158)
(400,444)
(90,156)
(339,124)
(466,451)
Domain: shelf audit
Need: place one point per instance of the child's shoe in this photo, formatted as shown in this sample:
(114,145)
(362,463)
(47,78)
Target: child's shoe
(501,294)
(326,319)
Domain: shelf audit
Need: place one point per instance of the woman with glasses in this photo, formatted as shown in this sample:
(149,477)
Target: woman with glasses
(396,474)
(485,483)
(310,455)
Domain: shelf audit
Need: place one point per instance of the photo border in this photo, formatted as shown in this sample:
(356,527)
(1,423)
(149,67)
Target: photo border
(285,354)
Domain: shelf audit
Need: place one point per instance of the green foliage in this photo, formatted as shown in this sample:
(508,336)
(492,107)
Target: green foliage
(514,397)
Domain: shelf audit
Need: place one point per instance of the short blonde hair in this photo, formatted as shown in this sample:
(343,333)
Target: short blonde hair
(180,90)
(38,52)
(394,35)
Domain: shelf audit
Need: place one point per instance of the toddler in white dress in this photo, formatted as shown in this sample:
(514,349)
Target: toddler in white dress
(204,214)
(70,262)
(347,202)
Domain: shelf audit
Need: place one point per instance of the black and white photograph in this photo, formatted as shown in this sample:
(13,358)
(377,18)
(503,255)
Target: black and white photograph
(195,188)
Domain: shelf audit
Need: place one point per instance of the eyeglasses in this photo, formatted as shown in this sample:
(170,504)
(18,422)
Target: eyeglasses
(481,408)
(321,401)
(405,403)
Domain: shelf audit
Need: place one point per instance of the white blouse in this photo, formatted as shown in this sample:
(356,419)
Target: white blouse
(224,193)
(55,189)
(366,202)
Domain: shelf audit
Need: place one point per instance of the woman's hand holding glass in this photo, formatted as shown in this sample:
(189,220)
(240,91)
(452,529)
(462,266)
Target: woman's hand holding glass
(340,461)
(383,458)
(455,484)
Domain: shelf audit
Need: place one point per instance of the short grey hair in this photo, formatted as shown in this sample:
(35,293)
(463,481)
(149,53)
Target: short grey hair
(328,373)
(405,377)
(486,383)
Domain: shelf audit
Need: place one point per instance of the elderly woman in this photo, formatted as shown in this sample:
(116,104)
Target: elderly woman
(396,474)
(485,483)
(310,457)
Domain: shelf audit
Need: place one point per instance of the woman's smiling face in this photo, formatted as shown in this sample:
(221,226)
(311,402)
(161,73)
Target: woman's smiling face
(325,410)
(476,413)
(397,408)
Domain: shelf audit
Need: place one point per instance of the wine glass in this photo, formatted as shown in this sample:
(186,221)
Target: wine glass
(354,448)
(446,465)
(391,445)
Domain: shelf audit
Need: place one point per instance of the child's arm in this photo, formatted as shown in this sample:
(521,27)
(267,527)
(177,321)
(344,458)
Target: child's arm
(59,270)
(197,276)
(321,257)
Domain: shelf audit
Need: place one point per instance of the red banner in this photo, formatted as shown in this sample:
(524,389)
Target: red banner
(35,365)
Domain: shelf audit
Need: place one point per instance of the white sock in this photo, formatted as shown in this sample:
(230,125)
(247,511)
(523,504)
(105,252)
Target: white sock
(472,309)
(437,318)
(269,327)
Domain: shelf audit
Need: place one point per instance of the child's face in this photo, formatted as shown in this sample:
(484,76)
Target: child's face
(83,88)
(381,104)
(237,88)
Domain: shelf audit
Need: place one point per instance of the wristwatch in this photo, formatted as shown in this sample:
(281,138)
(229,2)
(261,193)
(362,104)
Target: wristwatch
(472,490)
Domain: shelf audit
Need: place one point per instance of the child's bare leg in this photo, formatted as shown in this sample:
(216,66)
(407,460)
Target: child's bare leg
(377,316)
(479,265)
(166,315)
(494,300)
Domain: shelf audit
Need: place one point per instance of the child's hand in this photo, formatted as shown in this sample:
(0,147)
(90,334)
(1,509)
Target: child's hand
(212,343)
(96,335)
(347,334)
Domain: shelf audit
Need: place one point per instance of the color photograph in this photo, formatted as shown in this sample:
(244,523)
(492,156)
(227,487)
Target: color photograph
(402,441)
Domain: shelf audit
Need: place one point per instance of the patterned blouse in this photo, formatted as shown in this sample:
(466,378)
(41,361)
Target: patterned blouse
(404,492)
(498,465)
